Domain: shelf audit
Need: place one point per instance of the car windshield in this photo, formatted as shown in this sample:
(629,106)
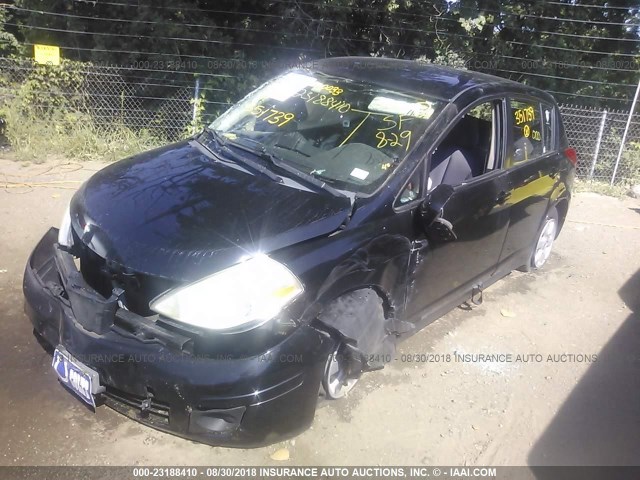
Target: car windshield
(352,135)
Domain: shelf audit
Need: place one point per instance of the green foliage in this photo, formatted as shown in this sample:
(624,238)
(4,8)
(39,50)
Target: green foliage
(8,41)
(70,133)
(60,85)
(197,122)
(545,44)
(471,25)
(235,45)
(448,59)
(628,171)
(630,162)
(61,124)
(601,187)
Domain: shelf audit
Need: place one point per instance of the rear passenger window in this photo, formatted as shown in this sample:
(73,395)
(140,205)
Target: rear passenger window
(527,131)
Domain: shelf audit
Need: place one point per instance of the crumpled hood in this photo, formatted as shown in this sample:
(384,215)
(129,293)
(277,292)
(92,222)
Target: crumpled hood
(177,213)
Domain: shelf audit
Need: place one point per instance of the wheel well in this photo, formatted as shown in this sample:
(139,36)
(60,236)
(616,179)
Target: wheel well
(358,317)
(389,309)
(562,207)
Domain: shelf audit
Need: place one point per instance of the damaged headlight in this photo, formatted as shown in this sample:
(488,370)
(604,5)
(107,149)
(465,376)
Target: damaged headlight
(237,299)
(65,238)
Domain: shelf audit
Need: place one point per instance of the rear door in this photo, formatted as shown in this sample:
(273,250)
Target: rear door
(532,165)
(447,268)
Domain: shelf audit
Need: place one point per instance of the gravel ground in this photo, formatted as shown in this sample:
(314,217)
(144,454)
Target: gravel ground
(567,394)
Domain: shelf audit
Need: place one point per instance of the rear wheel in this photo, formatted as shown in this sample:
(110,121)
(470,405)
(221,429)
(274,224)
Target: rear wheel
(544,243)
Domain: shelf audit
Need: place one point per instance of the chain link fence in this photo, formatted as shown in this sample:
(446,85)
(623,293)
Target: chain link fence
(596,134)
(111,96)
(167,106)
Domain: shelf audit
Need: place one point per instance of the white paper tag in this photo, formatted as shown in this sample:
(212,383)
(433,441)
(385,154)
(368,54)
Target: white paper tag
(359,174)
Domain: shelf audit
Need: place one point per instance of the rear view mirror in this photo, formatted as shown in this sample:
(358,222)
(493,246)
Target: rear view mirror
(431,208)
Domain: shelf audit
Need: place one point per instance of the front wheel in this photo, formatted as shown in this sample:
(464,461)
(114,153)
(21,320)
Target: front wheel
(544,242)
(337,380)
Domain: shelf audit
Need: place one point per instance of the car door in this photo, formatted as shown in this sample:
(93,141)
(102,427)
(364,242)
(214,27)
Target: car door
(447,268)
(532,166)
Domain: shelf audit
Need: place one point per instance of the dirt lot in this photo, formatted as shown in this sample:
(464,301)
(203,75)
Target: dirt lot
(558,410)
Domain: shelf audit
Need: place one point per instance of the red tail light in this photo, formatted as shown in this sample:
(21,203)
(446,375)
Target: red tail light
(571,155)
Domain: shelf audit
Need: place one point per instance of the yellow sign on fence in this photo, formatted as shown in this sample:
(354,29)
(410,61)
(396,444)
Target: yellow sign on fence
(47,54)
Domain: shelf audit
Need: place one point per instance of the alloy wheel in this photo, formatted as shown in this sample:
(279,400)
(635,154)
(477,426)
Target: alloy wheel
(335,382)
(545,242)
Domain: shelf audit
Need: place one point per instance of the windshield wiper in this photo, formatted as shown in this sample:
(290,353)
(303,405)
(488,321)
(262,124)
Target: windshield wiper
(222,143)
(262,152)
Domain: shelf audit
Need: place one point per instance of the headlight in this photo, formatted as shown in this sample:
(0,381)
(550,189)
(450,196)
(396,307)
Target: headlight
(64,235)
(237,299)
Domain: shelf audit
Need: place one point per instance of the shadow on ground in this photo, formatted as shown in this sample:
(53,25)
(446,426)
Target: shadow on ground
(599,423)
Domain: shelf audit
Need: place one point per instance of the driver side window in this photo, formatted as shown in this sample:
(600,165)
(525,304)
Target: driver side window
(469,149)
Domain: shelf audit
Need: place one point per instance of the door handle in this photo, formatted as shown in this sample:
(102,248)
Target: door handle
(502,197)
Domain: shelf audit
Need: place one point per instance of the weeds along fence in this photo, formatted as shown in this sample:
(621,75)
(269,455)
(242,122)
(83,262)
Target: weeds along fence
(110,96)
(174,104)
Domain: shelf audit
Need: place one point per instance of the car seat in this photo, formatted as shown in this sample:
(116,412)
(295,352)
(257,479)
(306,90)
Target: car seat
(462,154)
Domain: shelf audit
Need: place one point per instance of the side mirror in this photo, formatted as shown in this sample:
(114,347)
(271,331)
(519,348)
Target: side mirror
(434,203)
(431,214)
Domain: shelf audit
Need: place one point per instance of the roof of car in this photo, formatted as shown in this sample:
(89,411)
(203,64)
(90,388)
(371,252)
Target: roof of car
(426,79)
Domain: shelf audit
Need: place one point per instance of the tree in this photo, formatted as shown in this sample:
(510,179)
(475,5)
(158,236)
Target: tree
(8,42)
(566,46)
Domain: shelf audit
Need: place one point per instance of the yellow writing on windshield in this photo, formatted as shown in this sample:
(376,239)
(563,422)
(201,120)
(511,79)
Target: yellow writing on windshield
(392,123)
(394,139)
(333,90)
(273,116)
(327,101)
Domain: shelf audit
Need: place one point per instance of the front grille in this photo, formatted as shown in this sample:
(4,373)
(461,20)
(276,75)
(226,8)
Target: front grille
(157,414)
(103,276)
(93,269)
(134,290)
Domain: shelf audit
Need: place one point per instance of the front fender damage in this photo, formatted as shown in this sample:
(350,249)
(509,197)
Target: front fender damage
(357,304)
(357,321)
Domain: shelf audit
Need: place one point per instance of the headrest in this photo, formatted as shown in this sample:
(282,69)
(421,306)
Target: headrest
(465,135)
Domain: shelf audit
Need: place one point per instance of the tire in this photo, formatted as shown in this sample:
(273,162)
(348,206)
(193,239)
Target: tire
(544,241)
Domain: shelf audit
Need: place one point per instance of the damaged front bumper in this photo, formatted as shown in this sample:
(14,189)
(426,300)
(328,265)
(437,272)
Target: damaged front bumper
(149,374)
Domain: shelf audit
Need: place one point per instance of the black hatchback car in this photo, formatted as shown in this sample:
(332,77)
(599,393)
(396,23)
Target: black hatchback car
(216,287)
